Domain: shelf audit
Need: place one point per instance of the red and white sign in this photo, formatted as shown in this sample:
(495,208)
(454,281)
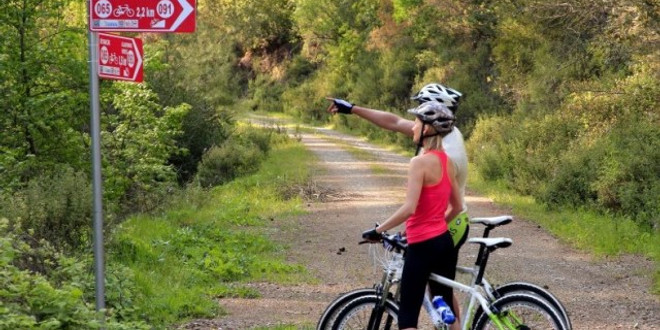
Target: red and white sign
(120,58)
(142,15)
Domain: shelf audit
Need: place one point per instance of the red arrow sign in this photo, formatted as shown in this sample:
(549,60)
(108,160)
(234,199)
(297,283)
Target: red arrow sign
(120,58)
(142,15)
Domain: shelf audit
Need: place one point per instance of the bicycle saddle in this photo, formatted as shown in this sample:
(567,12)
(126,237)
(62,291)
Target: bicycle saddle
(496,242)
(493,221)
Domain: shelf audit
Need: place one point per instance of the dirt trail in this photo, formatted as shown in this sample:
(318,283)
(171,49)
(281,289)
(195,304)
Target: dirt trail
(599,294)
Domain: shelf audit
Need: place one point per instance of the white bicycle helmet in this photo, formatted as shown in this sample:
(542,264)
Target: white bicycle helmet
(436,92)
(435,114)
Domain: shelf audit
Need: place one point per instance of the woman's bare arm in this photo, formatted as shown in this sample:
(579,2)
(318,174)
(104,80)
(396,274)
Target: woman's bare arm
(415,182)
(386,120)
(383,119)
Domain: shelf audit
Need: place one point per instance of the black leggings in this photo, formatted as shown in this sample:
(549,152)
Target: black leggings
(435,255)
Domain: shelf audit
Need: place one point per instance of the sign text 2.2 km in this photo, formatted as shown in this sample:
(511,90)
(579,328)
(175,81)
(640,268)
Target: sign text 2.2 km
(120,58)
(142,15)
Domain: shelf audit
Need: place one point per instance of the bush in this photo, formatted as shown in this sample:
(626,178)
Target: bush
(61,295)
(55,207)
(224,163)
(627,181)
(487,150)
(203,126)
(240,155)
(266,94)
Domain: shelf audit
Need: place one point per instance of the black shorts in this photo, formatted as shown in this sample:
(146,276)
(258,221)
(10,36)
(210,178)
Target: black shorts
(436,255)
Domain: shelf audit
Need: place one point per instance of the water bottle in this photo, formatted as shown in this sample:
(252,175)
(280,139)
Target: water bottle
(443,310)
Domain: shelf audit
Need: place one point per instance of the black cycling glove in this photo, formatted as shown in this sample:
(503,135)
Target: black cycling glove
(343,106)
(371,235)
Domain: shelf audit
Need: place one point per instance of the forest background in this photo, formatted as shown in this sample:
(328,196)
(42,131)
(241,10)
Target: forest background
(561,103)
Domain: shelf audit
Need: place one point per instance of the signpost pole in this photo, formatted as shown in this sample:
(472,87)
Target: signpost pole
(96,169)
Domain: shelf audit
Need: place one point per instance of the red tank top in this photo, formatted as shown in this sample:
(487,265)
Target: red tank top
(428,221)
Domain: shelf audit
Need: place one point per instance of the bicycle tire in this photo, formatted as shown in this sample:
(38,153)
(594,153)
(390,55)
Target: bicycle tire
(514,287)
(524,287)
(521,311)
(357,313)
(330,313)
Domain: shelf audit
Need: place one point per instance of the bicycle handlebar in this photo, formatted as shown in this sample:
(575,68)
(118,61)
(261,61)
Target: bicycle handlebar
(395,242)
(400,243)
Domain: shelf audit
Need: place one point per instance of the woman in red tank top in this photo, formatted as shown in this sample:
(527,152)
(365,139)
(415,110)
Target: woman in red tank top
(429,193)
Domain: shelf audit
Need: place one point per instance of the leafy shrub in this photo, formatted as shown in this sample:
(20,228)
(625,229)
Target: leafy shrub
(55,207)
(239,155)
(628,181)
(60,296)
(304,101)
(266,94)
(298,70)
(138,137)
(487,147)
(222,164)
(203,127)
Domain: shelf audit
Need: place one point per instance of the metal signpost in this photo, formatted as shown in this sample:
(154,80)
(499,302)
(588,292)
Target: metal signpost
(120,58)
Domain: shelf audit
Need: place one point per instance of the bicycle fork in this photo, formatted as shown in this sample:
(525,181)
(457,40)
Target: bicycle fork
(382,292)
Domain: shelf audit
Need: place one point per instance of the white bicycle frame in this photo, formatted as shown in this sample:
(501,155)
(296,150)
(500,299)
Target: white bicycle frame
(475,297)
(468,306)
(474,291)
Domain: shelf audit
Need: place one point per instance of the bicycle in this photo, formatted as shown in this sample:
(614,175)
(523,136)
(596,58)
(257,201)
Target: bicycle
(492,293)
(513,311)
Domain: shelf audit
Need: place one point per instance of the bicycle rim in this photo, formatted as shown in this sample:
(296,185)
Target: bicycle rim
(359,313)
(523,312)
(330,313)
(523,287)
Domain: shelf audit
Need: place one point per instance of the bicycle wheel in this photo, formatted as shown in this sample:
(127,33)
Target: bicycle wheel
(330,313)
(524,287)
(521,311)
(521,287)
(361,313)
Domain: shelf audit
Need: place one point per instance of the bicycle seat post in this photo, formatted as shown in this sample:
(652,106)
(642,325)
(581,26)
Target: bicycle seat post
(482,248)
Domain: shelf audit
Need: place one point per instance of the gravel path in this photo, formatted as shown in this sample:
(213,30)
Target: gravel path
(598,294)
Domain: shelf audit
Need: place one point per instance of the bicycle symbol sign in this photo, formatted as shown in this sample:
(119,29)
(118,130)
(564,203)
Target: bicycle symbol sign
(142,15)
(120,58)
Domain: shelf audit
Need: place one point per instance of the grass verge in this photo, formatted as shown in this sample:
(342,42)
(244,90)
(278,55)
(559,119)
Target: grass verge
(186,257)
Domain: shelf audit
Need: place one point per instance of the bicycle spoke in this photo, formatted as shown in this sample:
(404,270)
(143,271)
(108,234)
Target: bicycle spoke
(520,312)
(363,314)
(523,316)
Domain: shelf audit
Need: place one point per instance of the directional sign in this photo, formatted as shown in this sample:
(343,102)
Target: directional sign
(120,58)
(142,15)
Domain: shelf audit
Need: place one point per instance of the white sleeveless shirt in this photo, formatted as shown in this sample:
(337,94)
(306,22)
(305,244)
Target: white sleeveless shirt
(455,149)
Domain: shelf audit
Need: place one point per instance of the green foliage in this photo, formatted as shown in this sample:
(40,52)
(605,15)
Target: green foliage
(205,78)
(60,293)
(265,94)
(55,207)
(256,25)
(240,155)
(327,21)
(599,151)
(224,163)
(138,138)
(402,7)
(43,89)
(306,101)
